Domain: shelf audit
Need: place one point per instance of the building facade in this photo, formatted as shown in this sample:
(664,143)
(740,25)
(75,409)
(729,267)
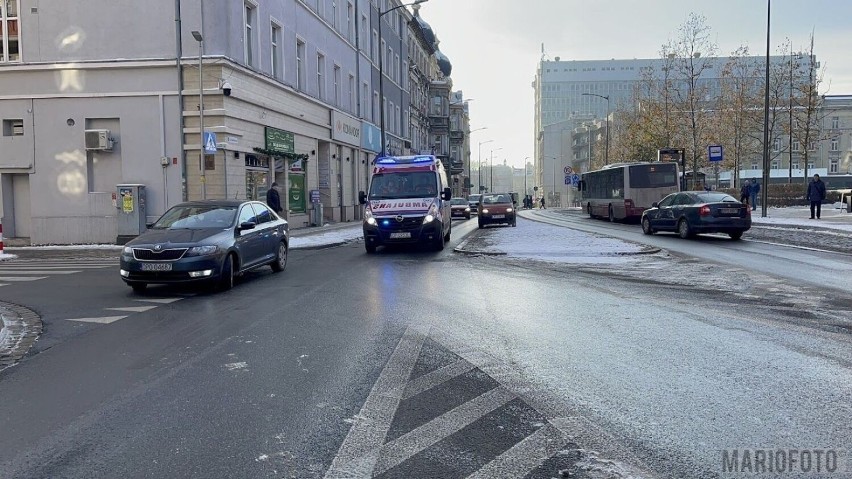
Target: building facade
(289,88)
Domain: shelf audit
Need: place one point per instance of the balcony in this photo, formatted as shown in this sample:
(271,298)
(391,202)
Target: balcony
(456,135)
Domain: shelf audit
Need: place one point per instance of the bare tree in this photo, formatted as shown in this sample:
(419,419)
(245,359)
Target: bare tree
(808,106)
(736,107)
(693,50)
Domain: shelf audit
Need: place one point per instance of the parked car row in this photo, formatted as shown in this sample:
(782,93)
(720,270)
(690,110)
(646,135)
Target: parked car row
(209,241)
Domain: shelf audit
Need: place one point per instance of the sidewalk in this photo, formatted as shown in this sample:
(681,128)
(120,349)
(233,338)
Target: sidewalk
(799,217)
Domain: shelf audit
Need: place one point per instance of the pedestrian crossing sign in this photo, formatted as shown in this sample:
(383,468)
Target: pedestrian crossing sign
(209,142)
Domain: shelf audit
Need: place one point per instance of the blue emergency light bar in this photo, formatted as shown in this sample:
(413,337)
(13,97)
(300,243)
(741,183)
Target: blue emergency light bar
(405,160)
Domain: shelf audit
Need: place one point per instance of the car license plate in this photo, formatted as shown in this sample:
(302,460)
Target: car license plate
(400,235)
(498,217)
(730,211)
(156,266)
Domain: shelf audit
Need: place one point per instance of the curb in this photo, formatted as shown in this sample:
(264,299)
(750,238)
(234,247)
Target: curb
(21,328)
(816,227)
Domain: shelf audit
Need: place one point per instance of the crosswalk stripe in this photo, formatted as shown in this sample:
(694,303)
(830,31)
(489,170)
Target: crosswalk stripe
(525,456)
(103,320)
(159,300)
(404,448)
(133,309)
(27,271)
(16,279)
(436,378)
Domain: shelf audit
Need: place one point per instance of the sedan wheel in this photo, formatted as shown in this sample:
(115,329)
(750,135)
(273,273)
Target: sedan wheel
(226,280)
(281,259)
(736,235)
(683,229)
(646,226)
(139,287)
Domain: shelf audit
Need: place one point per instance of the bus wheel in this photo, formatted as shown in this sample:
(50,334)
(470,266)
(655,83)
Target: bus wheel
(611,215)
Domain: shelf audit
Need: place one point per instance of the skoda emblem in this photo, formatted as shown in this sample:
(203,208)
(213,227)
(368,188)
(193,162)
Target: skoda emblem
(400,218)
(158,247)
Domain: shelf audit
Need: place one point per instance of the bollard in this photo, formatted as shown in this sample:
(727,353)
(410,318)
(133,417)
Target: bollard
(1,238)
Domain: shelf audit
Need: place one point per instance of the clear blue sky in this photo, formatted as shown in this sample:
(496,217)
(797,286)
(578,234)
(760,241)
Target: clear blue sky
(495,45)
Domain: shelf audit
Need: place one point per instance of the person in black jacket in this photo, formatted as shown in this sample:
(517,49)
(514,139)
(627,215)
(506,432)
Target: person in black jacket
(816,194)
(273,199)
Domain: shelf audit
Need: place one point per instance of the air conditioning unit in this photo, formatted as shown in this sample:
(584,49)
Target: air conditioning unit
(98,140)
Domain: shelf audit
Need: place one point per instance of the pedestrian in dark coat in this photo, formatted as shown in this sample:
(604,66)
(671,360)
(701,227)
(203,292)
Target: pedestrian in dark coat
(745,192)
(754,191)
(816,195)
(542,204)
(273,199)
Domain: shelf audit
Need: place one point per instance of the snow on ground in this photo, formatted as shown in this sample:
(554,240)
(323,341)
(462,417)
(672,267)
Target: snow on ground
(342,235)
(544,242)
(86,247)
(5,256)
(799,216)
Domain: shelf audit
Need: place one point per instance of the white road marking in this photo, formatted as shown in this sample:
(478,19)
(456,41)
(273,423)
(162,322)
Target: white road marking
(437,377)
(525,456)
(18,278)
(133,309)
(159,300)
(40,271)
(103,320)
(359,451)
(17,267)
(400,450)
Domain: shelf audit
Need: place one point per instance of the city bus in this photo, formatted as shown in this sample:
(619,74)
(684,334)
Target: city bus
(623,191)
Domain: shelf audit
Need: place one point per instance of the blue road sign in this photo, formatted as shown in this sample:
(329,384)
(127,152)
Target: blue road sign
(714,152)
(209,142)
(567,179)
(575,180)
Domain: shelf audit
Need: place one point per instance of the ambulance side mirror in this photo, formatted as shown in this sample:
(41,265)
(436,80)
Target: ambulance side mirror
(448,194)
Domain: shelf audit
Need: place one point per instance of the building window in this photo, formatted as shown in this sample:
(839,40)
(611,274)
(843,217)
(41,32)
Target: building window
(795,165)
(320,76)
(13,127)
(835,144)
(775,165)
(375,106)
(350,22)
(363,34)
(364,101)
(300,65)
(276,51)
(754,166)
(249,38)
(833,165)
(810,165)
(336,80)
(835,122)
(812,146)
(796,145)
(396,71)
(385,110)
(10,37)
(374,51)
(776,145)
(398,118)
(352,93)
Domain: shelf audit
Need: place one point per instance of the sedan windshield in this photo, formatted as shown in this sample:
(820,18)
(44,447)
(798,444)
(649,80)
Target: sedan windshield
(458,201)
(496,199)
(197,217)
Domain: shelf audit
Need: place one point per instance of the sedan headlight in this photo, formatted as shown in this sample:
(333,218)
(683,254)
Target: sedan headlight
(467,210)
(127,250)
(202,250)
(485,211)
(508,210)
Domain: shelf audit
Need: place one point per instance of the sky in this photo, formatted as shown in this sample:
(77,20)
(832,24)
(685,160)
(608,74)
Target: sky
(495,47)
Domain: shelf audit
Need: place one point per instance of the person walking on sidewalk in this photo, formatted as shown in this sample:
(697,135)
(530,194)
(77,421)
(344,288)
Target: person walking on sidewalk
(273,199)
(754,191)
(745,192)
(541,205)
(816,194)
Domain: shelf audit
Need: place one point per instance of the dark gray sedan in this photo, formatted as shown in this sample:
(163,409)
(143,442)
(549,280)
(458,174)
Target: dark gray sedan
(208,241)
(692,212)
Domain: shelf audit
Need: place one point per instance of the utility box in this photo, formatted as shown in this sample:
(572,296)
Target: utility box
(132,213)
(317,215)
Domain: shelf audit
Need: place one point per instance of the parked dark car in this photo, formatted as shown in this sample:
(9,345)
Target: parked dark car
(693,212)
(496,208)
(460,208)
(208,241)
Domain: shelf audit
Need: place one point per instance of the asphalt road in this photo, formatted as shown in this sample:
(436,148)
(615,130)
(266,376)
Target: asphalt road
(420,364)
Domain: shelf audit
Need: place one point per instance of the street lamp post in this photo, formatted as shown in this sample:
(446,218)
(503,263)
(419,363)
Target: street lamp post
(765,190)
(491,170)
(606,151)
(479,183)
(469,174)
(382,71)
(526,191)
(201,166)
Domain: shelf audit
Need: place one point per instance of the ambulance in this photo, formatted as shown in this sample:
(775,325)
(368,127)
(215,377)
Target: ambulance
(408,203)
